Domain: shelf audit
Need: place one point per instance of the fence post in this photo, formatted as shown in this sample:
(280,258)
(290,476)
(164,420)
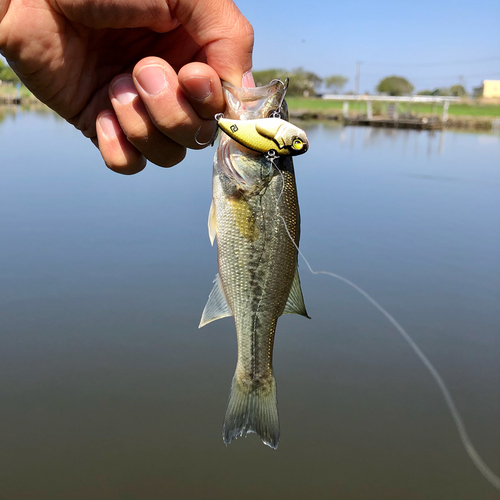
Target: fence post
(345,109)
(445,110)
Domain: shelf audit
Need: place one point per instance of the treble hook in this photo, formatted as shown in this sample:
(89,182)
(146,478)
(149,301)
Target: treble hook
(277,112)
(285,88)
(212,139)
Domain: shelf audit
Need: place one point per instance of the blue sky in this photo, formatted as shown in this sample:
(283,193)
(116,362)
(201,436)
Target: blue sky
(432,43)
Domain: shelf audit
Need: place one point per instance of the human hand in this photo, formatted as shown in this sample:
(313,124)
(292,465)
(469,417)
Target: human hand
(138,77)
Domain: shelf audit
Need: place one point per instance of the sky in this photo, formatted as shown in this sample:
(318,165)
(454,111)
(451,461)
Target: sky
(433,44)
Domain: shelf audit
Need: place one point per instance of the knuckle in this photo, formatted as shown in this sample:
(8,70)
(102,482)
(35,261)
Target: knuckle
(247,31)
(180,128)
(121,161)
(136,132)
(174,156)
(127,168)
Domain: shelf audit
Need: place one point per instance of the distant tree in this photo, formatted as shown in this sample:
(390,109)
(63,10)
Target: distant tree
(395,85)
(303,82)
(442,91)
(335,82)
(458,90)
(425,92)
(7,74)
(264,76)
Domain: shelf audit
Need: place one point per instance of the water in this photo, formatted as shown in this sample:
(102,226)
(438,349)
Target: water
(109,390)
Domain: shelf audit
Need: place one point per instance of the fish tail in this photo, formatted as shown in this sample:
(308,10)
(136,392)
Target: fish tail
(252,408)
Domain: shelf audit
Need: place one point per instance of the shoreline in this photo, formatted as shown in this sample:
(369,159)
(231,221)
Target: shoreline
(484,123)
(420,122)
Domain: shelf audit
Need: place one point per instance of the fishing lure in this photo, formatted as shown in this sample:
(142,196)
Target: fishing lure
(266,134)
(271,136)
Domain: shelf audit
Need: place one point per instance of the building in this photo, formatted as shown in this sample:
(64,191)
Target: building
(491,88)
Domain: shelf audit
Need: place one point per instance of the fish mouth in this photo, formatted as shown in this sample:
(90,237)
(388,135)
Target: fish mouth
(246,103)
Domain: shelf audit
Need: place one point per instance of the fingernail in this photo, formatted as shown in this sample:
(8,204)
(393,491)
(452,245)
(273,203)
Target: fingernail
(108,125)
(123,90)
(152,79)
(247,80)
(198,87)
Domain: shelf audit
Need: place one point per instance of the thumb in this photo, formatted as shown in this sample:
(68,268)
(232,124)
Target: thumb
(222,31)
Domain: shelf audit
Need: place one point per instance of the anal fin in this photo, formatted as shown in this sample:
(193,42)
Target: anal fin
(295,303)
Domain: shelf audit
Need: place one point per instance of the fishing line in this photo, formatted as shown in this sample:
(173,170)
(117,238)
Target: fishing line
(490,476)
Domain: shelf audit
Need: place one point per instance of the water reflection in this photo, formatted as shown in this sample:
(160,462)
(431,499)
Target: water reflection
(371,136)
(13,111)
(109,390)
(6,111)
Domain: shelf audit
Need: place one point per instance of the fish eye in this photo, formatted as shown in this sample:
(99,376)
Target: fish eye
(297,144)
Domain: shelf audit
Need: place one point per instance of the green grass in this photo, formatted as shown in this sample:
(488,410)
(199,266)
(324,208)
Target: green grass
(312,104)
(335,107)
(458,110)
(326,106)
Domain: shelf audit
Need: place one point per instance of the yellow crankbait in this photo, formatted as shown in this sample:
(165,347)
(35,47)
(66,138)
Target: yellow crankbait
(266,134)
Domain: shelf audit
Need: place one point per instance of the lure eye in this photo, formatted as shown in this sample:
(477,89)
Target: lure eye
(297,144)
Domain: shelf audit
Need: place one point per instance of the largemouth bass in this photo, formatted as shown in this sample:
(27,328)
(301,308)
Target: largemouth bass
(254,217)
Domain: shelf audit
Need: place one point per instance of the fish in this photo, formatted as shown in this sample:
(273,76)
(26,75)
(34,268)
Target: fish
(254,218)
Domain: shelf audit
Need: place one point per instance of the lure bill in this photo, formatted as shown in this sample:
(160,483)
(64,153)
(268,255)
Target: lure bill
(255,219)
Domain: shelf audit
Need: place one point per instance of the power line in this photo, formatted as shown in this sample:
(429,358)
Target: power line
(442,63)
(435,77)
(482,76)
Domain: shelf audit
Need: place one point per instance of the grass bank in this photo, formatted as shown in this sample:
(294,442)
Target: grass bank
(9,91)
(459,110)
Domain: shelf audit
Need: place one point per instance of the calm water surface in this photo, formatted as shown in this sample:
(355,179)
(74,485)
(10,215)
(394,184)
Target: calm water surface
(108,390)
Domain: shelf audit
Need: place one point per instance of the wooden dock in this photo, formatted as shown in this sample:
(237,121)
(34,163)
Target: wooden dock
(413,122)
(10,101)
(392,117)
(403,121)
(409,122)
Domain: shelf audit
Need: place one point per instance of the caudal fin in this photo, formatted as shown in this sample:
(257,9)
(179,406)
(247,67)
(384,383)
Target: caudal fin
(252,409)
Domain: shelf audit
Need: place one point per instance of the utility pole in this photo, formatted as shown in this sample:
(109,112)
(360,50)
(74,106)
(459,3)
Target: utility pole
(356,79)
(462,81)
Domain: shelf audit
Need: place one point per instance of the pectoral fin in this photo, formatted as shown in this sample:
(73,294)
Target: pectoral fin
(212,223)
(216,307)
(295,303)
